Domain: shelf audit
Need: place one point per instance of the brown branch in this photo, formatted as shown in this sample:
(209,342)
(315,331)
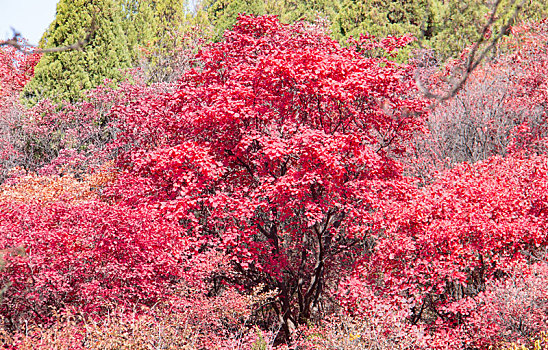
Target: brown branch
(473,61)
(21,45)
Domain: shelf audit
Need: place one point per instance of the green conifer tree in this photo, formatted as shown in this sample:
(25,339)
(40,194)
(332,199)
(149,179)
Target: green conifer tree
(65,75)
(153,24)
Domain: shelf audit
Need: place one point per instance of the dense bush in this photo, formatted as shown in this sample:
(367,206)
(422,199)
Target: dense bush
(447,256)
(88,255)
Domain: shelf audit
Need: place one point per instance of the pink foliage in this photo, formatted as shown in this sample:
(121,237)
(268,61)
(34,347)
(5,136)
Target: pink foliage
(515,308)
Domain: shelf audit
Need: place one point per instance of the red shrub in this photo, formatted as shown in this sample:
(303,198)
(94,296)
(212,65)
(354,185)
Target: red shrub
(439,253)
(87,255)
(274,149)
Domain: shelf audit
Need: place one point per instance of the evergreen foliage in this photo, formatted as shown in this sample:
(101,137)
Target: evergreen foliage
(64,75)
(224,13)
(448,27)
(445,26)
(153,25)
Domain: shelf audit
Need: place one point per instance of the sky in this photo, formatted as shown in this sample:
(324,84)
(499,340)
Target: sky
(28,17)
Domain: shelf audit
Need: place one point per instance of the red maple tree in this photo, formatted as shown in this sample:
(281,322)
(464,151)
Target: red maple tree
(275,149)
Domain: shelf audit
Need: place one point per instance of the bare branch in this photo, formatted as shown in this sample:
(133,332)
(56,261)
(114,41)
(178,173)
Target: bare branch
(475,57)
(21,45)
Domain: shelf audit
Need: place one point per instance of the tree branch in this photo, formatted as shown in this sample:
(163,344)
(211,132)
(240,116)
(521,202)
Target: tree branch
(21,45)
